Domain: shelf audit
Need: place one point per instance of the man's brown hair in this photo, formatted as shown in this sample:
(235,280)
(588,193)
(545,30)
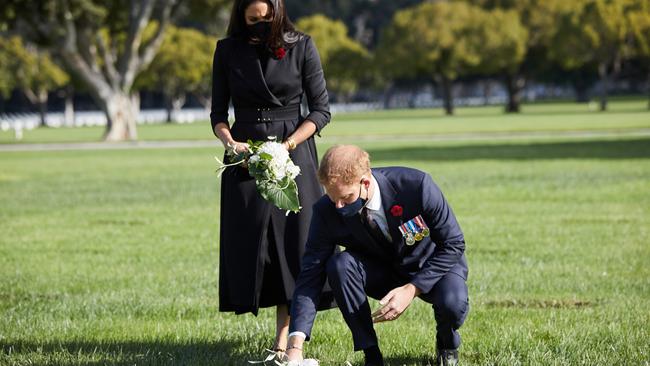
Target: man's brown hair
(343,163)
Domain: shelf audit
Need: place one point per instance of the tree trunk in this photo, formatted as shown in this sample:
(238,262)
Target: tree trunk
(205,101)
(487,92)
(42,110)
(68,114)
(177,104)
(168,108)
(581,88)
(121,112)
(388,95)
(602,73)
(515,85)
(39,100)
(447,95)
(412,97)
(648,86)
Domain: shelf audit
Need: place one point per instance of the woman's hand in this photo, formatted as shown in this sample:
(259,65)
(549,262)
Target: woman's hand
(238,147)
(289,144)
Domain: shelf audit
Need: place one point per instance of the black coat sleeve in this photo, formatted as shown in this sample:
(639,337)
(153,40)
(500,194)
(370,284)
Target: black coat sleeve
(313,83)
(220,88)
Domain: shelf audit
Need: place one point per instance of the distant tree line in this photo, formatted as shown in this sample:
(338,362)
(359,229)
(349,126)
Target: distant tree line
(114,49)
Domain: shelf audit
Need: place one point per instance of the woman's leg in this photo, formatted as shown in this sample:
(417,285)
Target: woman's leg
(282,327)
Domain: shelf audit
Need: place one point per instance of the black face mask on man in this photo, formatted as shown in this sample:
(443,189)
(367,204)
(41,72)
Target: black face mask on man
(260,30)
(353,208)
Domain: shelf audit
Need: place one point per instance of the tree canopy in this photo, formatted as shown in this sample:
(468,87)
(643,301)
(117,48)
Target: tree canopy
(182,64)
(345,61)
(30,70)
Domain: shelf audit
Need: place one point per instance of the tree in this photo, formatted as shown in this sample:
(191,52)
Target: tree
(639,26)
(183,62)
(538,17)
(365,19)
(34,73)
(345,61)
(103,43)
(7,81)
(592,31)
(438,39)
(502,41)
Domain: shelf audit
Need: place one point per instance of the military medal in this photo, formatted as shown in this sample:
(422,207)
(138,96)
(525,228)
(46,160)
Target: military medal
(422,225)
(414,230)
(406,233)
(410,240)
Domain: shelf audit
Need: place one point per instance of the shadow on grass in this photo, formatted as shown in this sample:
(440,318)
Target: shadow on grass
(409,360)
(592,149)
(126,353)
(475,113)
(576,112)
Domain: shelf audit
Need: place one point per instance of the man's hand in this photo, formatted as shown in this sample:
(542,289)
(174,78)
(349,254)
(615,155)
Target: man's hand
(294,348)
(395,303)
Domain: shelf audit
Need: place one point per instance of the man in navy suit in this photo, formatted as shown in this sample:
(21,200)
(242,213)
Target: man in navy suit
(376,214)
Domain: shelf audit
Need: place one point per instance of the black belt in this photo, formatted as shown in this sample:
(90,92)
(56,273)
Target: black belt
(254,115)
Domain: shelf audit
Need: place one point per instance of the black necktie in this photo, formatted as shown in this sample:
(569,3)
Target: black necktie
(371,227)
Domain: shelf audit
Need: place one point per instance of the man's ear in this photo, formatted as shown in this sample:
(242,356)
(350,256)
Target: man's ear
(365,182)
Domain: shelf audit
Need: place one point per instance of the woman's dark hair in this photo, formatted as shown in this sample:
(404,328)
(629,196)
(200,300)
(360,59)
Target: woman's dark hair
(283,32)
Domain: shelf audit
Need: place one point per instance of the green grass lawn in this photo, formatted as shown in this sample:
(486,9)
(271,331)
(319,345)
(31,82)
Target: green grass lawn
(111,257)
(544,117)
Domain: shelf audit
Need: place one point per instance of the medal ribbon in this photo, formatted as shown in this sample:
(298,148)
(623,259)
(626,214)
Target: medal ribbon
(418,219)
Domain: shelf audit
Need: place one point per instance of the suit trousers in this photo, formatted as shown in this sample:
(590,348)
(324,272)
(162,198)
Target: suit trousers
(354,277)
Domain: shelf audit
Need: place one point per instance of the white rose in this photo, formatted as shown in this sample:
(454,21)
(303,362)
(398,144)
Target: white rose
(293,170)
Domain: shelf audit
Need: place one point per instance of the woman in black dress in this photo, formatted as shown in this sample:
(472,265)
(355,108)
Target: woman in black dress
(265,67)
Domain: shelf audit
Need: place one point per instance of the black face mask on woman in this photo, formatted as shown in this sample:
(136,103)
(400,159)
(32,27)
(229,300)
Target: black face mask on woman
(260,30)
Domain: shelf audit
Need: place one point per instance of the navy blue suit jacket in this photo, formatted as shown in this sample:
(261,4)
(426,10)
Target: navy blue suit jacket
(422,264)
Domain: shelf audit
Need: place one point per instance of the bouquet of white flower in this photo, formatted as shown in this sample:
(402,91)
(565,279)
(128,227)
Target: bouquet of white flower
(274,172)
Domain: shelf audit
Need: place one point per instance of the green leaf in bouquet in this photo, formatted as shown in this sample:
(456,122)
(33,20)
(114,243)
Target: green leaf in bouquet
(255,145)
(285,198)
(255,171)
(266,156)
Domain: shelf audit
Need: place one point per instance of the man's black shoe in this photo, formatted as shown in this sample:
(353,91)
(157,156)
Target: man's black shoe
(447,357)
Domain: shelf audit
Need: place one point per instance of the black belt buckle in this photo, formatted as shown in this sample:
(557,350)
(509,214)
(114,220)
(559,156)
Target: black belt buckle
(268,114)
